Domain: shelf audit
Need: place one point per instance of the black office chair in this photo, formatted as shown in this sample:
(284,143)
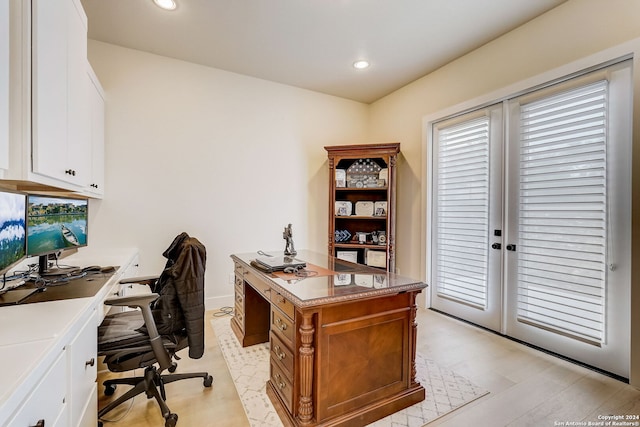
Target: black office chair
(168,320)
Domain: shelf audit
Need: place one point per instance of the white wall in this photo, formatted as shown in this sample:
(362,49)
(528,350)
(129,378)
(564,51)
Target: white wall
(574,30)
(227,158)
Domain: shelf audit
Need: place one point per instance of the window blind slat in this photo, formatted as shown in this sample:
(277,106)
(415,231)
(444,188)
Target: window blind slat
(563,213)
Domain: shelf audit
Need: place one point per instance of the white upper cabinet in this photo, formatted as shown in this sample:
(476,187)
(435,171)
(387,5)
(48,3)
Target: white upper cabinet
(4,86)
(96,109)
(61,118)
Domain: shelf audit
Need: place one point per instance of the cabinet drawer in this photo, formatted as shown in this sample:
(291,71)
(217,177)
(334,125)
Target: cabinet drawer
(282,326)
(48,401)
(282,384)
(282,355)
(83,367)
(283,304)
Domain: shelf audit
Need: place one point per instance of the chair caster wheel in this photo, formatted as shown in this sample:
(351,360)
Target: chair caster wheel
(100,424)
(171,421)
(109,390)
(173,367)
(208,380)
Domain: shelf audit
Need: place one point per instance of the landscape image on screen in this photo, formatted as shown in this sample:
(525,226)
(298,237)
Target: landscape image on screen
(55,223)
(12,228)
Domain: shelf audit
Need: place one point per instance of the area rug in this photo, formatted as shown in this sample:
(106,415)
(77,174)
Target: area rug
(249,368)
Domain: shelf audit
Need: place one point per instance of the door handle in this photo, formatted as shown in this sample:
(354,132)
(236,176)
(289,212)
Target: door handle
(496,246)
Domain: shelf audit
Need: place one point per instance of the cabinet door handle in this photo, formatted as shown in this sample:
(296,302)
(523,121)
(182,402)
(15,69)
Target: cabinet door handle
(40,423)
(90,362)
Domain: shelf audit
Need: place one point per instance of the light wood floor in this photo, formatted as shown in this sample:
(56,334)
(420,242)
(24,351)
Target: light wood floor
(527,387)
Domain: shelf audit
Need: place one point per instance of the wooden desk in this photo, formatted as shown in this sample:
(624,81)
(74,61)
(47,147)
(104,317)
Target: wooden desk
(343,342)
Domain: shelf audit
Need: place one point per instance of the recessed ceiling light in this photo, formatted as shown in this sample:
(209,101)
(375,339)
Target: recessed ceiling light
(166,4)
(361,64)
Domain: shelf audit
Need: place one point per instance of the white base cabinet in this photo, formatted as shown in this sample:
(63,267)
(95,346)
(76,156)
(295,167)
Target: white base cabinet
(50,351)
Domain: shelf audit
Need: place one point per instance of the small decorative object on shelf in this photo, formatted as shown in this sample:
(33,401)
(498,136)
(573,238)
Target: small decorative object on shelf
(343,208)
(382,238)
(287,235)
(341,178)
(342,235)
(362,199)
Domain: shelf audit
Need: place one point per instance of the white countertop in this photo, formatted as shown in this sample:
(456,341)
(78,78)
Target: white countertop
(33,335)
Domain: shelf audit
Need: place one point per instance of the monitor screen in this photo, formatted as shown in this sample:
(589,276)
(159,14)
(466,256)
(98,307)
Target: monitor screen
(55,224)
(12,229)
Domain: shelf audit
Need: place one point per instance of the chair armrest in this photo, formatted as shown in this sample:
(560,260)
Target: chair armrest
(143,280)
(139,301)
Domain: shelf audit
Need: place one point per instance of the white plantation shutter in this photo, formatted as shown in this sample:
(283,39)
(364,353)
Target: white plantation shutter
(562,221)
(462,211)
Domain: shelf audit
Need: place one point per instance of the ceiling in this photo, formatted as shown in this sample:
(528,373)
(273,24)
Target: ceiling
(312,44)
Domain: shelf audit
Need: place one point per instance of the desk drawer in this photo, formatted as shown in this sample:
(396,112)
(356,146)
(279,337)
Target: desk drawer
(283,386)
(283,304)
(282,355)
(239,285)
(239,300)
(239,269)
(282,326)
(239,315)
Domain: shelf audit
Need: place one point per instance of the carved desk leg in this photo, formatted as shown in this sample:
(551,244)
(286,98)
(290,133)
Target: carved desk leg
(305,414)
(414,336)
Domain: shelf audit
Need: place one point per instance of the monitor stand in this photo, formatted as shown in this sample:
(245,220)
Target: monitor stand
(45,271)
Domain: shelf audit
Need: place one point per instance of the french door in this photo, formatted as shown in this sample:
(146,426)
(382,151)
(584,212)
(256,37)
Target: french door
(530,230)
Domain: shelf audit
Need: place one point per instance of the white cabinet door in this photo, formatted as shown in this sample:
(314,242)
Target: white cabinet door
(83,361)
(96,182)
(79,118)
(60,116)
(4,85)
(49,88)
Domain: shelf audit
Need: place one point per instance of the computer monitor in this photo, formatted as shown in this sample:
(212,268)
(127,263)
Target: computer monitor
(13,242)
(55,224)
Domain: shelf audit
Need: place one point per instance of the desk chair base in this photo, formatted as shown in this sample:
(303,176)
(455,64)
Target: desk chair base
(152,384)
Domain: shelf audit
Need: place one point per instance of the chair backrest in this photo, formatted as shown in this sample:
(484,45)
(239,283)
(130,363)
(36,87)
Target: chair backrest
(180,308)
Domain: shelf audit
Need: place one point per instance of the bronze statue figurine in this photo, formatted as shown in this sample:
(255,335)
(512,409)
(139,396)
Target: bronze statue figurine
(287,235)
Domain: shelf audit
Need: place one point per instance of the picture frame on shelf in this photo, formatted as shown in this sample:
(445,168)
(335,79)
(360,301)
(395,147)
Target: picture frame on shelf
(380,208)
(374,258)
(364,208)
(350,256)
(343,208)
(341,178)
